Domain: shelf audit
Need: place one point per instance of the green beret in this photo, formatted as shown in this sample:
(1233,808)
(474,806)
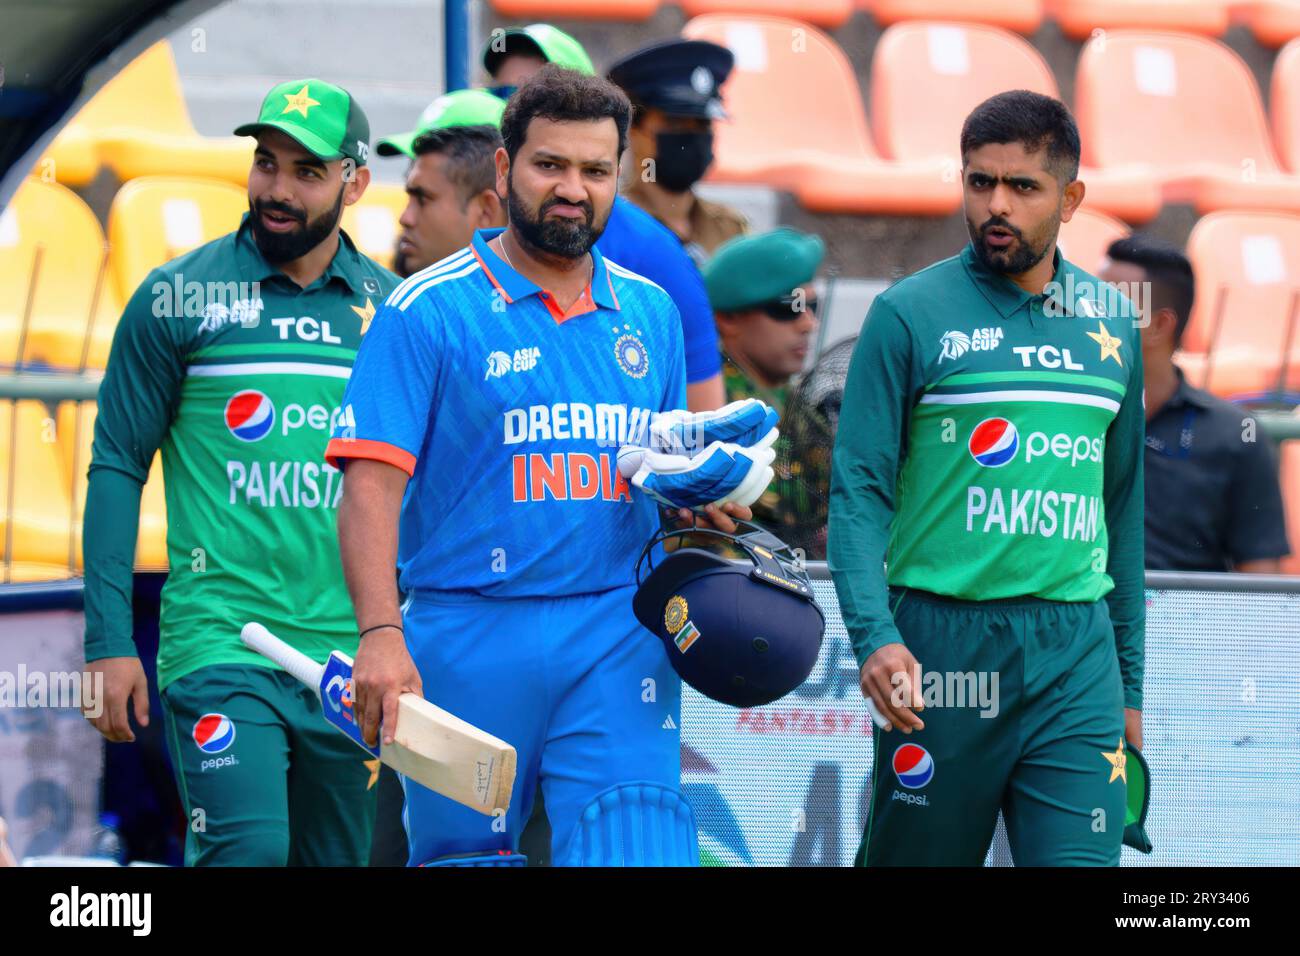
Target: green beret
(749,270)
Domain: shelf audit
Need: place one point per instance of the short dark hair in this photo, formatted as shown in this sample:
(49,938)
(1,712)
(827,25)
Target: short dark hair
(470,151)
(1173,283)
(1031,119)
(555,93)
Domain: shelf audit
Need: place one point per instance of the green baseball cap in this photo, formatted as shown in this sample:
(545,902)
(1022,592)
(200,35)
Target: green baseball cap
(748,271)
(539,39)
(458,108)
(1137,777)
(323,118)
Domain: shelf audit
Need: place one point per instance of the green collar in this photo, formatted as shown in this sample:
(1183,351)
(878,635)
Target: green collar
(347,265)
(1003,294)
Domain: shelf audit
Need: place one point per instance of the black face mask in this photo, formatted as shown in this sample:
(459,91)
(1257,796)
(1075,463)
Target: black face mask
(682,159)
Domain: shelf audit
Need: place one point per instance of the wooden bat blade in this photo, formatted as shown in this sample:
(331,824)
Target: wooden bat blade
(451,756)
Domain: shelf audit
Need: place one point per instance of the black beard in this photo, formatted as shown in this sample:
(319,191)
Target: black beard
(563,238)
(1016,263)
(278,248)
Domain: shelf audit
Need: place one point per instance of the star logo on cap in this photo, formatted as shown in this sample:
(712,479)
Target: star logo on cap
(1109,344)
(1118,762)
(367,312)
(702,80)
(300,102)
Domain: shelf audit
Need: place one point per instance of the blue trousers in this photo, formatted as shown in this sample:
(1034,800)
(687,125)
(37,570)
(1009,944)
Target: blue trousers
(584,694)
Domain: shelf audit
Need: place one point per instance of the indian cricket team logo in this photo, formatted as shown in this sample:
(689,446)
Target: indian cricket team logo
(913,766)
(955,345)
(250,415)
(994,442)
(675,614)
(214,733)
(631,355)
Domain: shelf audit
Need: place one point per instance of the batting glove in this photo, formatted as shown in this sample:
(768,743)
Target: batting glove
(723,472)
(748,423)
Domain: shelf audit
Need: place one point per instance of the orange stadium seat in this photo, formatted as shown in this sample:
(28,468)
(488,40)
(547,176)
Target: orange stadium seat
(577,9)
(35,508)
(154,219)
(1086,237)
(1289,473)
(1274,22)
(798,124)
(53,268)
(1023,16)
(1245,325)
(76,432)
(927,76)
(830,14)
(138,125)
(1284,105)
(372,222)
(1134,94)
(1078,18)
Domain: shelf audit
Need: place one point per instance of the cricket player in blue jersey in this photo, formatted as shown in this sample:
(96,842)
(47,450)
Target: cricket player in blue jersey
(480,435)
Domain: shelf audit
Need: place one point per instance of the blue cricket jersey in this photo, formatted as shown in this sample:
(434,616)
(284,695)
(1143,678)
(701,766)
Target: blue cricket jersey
(507,414)
(636,240)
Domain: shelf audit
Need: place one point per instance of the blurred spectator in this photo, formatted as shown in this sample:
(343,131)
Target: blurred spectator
(451,182)
(632,237)
(674,87)
(6,854)
(766,311)
(1212,497)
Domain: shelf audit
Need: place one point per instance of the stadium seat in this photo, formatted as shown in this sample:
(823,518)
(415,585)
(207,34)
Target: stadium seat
(1245,324)
(829,14)
(1078,18)
(154,219)
(1086,237)
(372,222)
(1274,22)
(38,528)
(577,9)
(72,158)
(1284,105)
(52,249)
(926,77)
(1023,16)
(1134,94)
(798,124)
(76,432)
(1289,473)
(139,126)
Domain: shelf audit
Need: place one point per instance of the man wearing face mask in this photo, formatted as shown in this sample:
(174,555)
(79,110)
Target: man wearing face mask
(674,90)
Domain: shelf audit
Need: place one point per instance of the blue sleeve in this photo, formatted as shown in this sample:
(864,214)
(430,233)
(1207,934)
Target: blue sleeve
(391,392)
(675,392)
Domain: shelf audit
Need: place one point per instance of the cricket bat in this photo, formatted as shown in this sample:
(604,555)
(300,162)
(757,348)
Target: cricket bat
(430,746)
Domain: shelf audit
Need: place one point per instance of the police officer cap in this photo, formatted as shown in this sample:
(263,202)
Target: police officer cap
(680,77)
(748,271)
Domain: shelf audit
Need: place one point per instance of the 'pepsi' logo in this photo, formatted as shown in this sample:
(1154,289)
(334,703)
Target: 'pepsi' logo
(214,733)
(913,766)
(994,442)
(249,415)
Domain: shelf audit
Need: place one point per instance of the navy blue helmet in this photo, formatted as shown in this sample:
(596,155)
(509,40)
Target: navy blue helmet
(744,633)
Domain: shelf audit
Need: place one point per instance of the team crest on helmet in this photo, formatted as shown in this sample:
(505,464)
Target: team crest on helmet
(675,614)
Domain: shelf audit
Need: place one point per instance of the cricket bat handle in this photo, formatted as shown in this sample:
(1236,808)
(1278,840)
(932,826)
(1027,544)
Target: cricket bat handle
(258,638)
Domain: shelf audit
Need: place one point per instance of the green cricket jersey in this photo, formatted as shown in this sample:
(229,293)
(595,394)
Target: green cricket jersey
(990,446)
(236,373)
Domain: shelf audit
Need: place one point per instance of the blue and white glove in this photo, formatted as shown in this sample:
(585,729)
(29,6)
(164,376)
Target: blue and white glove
(747,423)
(723,472)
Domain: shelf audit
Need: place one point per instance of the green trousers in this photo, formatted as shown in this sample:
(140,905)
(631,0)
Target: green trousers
(264,779)
(1025,714)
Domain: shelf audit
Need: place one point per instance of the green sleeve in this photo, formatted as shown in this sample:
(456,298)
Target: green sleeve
(881,389)
(137,401)
(1123,495)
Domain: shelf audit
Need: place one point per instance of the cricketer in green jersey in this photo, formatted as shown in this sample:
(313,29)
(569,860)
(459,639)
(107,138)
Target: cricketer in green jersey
(232,359)
(989,454)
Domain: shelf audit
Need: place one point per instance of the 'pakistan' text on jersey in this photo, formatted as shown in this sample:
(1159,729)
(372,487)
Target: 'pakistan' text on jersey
(237,373)
(508,415)
(1020,424)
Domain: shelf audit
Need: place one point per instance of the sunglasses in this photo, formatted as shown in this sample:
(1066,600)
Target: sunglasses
(789,308)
